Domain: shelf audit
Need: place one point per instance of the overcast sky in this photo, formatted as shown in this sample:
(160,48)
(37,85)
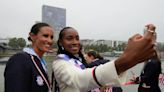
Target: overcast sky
(94,19)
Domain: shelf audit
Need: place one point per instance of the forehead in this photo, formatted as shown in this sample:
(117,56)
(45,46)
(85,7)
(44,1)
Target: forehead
(70,32)
(46,29)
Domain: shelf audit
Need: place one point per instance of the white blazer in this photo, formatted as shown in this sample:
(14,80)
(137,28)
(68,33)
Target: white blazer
(73,79)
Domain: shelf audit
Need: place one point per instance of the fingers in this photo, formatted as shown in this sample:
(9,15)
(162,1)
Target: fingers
(139,48)
(150,27)
(142,46)
(135,37)
(150,33)
(147,55)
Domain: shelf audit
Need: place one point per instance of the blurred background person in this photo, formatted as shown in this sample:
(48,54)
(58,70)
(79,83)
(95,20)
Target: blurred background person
(94,59)
(149,78)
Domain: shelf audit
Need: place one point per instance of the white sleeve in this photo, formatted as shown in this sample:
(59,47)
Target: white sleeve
(83,79)
(107,75)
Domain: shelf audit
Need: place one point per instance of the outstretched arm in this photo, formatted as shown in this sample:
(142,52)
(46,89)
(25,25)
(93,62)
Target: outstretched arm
(139,49)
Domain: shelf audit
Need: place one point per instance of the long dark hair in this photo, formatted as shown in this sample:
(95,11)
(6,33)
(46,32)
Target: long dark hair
(61,50)
(94,54)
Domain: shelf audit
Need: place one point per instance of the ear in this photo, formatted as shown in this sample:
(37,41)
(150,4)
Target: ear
(32,36)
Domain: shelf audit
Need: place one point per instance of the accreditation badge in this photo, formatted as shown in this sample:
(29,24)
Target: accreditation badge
(39,80)
(50,90)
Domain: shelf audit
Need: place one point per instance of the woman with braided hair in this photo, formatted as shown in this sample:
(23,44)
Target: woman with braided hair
(71,74)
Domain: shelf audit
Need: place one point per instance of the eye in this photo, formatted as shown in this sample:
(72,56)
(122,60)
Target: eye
(69,38)
(77,38)
(52,37)
(45,35)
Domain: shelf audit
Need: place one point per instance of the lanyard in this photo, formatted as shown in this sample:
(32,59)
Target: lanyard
(46,81)
(44,65)
(32,52)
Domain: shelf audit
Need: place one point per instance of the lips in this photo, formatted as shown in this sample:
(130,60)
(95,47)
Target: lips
(74,48)
(47,45)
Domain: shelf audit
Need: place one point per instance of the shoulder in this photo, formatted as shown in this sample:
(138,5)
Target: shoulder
(101,61)
(19,56)
(59,62)
(17,59)
(154,62)
(97,63)
(18,62)
(61,59)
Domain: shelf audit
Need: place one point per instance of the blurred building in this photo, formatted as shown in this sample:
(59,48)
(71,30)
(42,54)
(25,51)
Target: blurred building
(3,44)
(86,41)
(4,40)
(54,16)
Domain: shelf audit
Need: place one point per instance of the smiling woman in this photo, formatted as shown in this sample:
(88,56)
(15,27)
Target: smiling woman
(26,71)
(71,72)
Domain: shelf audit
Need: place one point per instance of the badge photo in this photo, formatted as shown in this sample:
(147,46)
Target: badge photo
(39,80)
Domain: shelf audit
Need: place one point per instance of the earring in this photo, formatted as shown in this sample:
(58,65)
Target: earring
(62,47)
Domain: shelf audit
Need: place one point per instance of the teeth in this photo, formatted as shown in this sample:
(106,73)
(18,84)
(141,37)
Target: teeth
(74,47)
(47,45)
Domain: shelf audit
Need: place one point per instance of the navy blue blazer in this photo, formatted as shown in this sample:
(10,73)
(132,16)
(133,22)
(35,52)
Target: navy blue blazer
(97,62)
(149,78)
(21,75)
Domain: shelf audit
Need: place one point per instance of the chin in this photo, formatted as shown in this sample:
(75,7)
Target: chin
(45,50)
(74,53)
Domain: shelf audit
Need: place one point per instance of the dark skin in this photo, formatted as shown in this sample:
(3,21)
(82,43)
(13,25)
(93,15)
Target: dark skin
(139,49)
(70,41)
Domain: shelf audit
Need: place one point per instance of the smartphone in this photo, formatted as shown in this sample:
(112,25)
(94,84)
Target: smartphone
(144,30)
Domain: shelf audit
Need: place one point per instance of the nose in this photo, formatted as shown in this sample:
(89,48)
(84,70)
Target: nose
(75,41)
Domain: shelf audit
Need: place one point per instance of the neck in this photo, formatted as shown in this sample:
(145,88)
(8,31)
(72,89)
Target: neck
(38,52)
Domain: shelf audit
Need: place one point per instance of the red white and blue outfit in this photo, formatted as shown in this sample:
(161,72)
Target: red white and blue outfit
(72,77)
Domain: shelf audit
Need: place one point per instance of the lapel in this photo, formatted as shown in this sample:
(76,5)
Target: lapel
(38,62)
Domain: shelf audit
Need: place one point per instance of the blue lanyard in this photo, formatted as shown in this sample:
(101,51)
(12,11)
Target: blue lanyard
(77,63)
(32,52)
(43,62)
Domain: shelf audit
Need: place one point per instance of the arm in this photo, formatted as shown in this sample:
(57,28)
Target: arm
(139,49)
(72,76)
(16,76)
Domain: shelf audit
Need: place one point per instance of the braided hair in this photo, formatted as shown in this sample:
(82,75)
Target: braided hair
(61,50)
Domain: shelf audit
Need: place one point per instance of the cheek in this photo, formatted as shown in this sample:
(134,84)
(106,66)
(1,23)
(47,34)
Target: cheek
(87,58)
(66,45)
(39,42)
